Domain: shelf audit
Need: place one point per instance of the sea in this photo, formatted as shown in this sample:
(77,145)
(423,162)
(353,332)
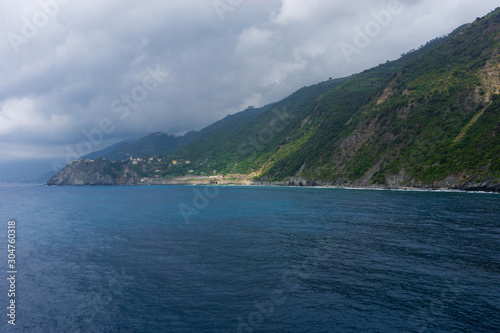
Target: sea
(247,259)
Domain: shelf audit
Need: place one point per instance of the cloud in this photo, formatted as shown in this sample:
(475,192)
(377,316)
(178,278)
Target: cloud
(75,58)
(20,120)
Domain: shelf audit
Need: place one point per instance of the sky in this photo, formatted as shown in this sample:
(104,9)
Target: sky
(77,76)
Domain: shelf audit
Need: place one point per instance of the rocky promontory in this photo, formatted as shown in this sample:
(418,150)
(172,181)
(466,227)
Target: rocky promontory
(94,172)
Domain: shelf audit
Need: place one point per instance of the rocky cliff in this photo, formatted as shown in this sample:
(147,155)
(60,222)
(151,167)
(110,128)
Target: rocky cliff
(95,172)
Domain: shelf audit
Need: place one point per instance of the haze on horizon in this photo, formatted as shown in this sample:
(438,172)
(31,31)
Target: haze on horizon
(128,68)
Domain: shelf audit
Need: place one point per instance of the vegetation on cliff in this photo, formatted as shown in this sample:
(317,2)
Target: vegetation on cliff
(428,119)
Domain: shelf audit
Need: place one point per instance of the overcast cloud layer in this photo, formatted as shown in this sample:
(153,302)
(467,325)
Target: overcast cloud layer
(128,68)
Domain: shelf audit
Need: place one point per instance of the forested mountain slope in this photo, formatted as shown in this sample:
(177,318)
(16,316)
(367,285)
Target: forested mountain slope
(428,119)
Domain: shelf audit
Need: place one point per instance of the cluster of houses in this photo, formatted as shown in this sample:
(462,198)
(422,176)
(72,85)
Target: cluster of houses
(136,161)
(85,160)
(175,162)
(158,171)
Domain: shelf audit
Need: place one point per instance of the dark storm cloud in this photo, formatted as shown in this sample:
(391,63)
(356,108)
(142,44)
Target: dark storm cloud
(67,66)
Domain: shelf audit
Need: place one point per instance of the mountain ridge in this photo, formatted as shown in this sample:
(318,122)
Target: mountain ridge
(429,119)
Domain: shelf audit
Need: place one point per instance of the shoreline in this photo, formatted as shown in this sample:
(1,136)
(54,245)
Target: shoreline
(338,187)
(249,180)
(282,184)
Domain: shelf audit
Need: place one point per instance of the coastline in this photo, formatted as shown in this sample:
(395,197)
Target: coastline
(222,181)
(93,174)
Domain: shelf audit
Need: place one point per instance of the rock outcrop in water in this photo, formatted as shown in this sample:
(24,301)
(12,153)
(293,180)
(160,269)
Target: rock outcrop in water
(95,172)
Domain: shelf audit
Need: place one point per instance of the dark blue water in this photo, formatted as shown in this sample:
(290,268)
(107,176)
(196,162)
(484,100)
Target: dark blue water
(240,259)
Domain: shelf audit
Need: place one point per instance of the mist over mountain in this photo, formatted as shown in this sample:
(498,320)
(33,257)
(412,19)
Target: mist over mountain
(428,119)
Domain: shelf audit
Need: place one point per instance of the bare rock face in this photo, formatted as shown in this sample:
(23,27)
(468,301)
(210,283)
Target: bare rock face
(94,172)
(485,186)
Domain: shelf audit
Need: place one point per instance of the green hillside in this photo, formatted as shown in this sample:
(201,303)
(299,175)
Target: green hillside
(252,143)
(437,117)
(429,115)
(160,143)
(428,119)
